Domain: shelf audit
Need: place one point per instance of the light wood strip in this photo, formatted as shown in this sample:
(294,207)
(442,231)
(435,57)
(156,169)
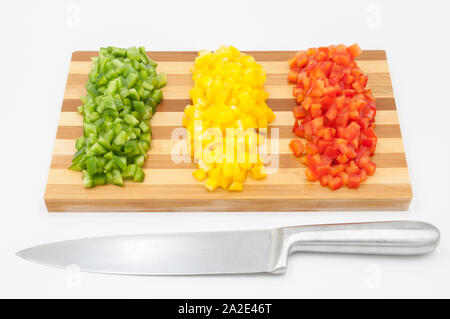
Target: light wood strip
(165,161)
(271,67)
(77,80)
(296,176)
(196,191)
(385,145)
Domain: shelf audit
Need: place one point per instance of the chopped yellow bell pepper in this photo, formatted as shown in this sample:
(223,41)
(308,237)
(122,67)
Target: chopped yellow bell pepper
(259,172)
(199,174)
(211,184)
(228,93)
(236,187)
(225,182)
(240,176)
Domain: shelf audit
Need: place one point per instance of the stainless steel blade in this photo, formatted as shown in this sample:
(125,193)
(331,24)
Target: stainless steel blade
(231,252)
(167,254)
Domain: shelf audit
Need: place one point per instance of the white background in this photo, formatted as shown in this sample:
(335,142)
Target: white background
(37,39)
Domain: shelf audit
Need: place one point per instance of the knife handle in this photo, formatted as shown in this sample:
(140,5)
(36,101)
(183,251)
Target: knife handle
(384,238)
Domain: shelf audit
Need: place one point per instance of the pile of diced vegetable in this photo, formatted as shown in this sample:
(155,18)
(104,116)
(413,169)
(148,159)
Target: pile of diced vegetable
(123,92)
(228,93)
(335,114)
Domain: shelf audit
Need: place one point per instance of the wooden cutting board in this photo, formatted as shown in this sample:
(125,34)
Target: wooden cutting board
(171,187)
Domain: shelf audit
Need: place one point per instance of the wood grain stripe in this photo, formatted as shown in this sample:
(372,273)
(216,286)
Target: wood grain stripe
(275,91)
(271,67)
(164,161)
(385,145)
(175,105)
(174,176)
(137,191)
(175,118)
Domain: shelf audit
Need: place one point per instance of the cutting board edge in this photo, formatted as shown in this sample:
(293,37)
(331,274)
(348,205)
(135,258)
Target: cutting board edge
(280,205)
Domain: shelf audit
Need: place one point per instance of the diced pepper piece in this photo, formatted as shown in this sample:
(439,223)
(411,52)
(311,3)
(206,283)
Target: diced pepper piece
(79,155)
(311,148)
(335,183)
(162,80)
(80,142)
(157,96)
(292,77)
(76,167)
(131,120)
(117,178)
(91,165)
(211,184)
(144,127)
(236,187)
(354,181)
(354,50)
(87,180)
(139,107)
(224,182)
(139,160)
(99,179)
(108,178)
(199,174)
(97,149)
(297,147)
(299,112)
(310,175)
(129,171)
(121,162)
(259,172)
(121,138)
(139,175)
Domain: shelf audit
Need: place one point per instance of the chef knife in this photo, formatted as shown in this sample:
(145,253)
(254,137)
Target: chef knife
(232,252)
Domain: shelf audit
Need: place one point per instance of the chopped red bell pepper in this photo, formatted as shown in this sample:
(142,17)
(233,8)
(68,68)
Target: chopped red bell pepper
(299,112)
(353,181)
(335,113)
(297,147)
(335,183)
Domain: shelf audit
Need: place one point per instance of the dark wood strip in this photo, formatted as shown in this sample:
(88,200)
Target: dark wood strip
(68,132)
(180,56)
(75,80)
(383,160)
(284,131)
(165,132)
(164,161)
(388,131)
(70,105)
(177,105)
(386,104)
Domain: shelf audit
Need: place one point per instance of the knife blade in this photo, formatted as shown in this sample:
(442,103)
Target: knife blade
(232,252)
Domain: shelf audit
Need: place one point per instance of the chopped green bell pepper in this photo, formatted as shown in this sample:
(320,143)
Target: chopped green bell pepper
(123,90)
